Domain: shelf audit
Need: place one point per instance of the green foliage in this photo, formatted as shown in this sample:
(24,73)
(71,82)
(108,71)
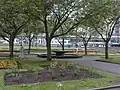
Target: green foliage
(12,17)
(61,64)
(105,20)
(12,20)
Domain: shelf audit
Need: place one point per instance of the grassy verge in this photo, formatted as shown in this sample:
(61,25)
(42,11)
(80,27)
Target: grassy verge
(82,84)
(98,54)
(112,59)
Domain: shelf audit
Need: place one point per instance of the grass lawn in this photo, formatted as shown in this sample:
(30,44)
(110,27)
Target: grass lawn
(82,84)
(113,59)
(98,54)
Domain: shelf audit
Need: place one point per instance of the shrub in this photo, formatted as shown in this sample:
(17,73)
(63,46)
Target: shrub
(5,64)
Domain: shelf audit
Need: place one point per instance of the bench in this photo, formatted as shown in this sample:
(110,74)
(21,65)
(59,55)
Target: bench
(59,53)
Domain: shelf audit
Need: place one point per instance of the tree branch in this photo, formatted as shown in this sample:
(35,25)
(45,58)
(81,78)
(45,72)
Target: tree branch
(112,27)
(60,21)
(100,33)
(80,21)
(4,38)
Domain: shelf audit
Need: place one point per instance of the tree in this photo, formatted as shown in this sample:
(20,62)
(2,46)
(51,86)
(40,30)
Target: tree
(12,21)
(31,31)
(105,22)
(53,14)
(61,38)
(85,33)
(56,13)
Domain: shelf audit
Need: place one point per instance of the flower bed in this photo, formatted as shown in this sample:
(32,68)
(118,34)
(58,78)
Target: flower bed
(4,64)
(46,75)
(55,72)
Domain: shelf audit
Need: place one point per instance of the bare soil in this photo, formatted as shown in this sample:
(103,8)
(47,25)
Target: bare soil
(46,75)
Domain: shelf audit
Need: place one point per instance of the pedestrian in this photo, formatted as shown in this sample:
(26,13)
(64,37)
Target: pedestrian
(22,50)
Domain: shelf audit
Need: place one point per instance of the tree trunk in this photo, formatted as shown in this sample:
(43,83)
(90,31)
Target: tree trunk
(36,42)
(85,46)
(106,50)
(63,43)
(29,46)
(11,47)
(62,40)
(49,58)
